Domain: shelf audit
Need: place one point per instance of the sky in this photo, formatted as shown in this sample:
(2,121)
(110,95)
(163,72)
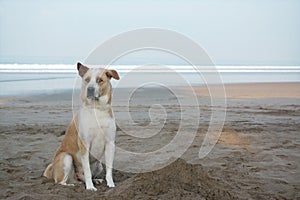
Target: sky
(233,32)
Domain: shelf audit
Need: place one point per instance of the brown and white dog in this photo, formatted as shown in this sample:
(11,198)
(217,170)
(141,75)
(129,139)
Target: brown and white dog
(91,134)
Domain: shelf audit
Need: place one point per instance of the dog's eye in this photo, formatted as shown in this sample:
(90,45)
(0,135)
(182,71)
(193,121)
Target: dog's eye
(99,80)
(87,79)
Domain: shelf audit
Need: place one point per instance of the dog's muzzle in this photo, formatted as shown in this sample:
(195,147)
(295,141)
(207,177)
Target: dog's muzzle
(91,94)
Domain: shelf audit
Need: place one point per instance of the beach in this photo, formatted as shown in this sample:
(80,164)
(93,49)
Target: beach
(257,155)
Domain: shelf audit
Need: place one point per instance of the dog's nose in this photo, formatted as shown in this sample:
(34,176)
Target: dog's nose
(90,92)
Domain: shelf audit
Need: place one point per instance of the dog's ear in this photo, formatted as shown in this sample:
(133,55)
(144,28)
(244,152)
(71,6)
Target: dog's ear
(81,69)
(112,73)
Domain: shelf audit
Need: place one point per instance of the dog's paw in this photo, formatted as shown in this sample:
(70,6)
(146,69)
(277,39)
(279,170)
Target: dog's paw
(97,181)
(67,184)
(111,184)
(109,181)
(91,188)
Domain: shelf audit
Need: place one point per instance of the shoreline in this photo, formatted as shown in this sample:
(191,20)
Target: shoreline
(229,88)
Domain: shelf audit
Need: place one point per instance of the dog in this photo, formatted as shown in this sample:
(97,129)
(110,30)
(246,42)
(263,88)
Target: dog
(90,137)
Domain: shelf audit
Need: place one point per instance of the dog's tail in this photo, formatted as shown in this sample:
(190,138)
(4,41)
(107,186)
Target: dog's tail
(49,171)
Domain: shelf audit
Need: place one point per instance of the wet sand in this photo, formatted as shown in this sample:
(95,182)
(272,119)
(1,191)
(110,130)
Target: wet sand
(256,157)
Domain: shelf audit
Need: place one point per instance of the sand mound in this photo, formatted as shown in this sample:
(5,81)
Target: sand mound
(176,181)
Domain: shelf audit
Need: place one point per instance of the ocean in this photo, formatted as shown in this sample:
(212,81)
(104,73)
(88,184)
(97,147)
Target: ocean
(26,79)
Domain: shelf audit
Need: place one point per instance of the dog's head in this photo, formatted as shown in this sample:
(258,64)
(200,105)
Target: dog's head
(96,86)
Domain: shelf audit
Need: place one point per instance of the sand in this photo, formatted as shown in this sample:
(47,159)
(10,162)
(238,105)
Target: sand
(256,157)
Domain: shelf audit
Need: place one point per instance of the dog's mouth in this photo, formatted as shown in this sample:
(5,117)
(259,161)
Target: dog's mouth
(93,98)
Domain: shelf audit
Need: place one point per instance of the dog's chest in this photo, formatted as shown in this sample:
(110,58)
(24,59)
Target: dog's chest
(95,119)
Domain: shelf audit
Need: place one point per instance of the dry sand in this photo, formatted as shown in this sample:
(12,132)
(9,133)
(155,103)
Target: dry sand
(257,155)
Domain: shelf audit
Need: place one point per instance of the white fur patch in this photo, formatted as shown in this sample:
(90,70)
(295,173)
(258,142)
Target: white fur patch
(68,163)
(103,99)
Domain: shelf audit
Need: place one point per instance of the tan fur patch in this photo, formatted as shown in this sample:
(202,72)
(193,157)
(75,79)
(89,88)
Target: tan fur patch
(110,112)
(81,146)
(69,145)
(49,171)
(58,172)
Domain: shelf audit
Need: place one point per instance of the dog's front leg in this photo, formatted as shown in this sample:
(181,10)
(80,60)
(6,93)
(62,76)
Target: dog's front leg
(86,169)
(109,159)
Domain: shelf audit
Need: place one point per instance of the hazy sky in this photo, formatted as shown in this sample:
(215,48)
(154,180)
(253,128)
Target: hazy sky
(251,32)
